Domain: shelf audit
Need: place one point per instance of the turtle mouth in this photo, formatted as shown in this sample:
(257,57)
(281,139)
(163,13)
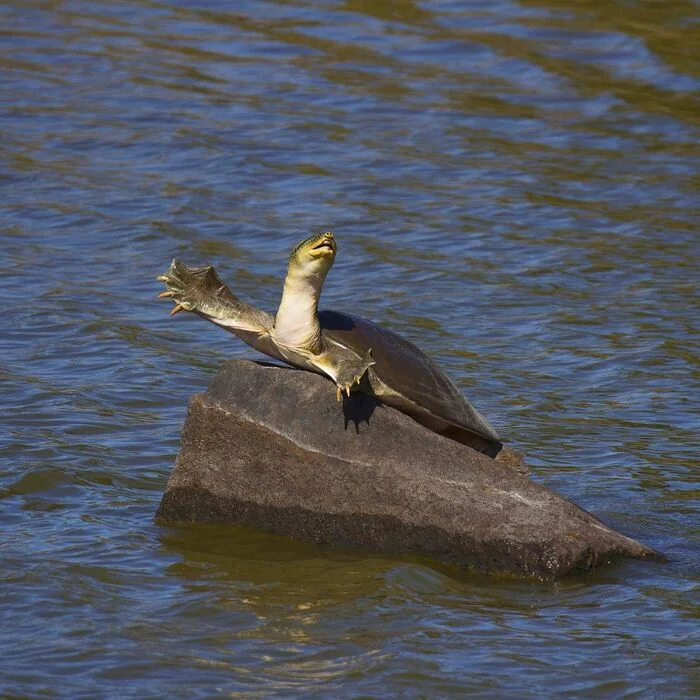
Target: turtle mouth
(325,245)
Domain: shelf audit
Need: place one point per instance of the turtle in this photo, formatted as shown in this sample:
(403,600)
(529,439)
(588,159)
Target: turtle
(354,352)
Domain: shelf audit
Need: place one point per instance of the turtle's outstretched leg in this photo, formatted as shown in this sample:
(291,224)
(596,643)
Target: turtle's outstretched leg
(349,371)
(200,290)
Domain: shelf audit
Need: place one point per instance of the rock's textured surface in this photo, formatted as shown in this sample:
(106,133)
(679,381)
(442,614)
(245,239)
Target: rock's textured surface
(270,447)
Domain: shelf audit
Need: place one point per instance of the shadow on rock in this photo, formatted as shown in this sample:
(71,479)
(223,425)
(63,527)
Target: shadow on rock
(358,408)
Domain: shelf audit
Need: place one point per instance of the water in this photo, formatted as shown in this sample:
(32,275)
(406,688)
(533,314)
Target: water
(514,186)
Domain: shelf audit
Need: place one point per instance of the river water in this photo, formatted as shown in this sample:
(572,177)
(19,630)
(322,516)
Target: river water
(513,185)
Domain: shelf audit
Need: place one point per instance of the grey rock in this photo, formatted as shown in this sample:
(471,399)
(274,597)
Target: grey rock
(270,447)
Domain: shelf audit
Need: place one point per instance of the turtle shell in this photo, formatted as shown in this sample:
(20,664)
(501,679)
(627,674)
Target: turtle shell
(408,379)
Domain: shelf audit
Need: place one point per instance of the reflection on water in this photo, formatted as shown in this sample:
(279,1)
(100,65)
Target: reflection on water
(513,186)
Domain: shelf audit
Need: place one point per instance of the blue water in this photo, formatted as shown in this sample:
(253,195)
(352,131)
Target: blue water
(513,186)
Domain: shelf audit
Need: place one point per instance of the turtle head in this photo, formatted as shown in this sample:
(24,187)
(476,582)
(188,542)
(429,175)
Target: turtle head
(314,256)
(296,323)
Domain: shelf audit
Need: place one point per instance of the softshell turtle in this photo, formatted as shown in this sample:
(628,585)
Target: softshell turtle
(354,352)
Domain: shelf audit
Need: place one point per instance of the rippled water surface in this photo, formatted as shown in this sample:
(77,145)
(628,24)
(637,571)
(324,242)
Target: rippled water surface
(514,186)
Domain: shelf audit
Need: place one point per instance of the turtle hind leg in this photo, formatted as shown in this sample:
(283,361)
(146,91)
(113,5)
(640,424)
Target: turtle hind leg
(349,371)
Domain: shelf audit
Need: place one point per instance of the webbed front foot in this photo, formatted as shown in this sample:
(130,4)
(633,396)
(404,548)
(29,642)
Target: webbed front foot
(351,374)
(189,287)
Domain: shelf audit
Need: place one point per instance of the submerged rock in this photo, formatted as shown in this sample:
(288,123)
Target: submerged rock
(270,447)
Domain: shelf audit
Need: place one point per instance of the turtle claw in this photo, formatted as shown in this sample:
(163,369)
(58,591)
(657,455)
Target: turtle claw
(186,286)
(345,388)
(352,376)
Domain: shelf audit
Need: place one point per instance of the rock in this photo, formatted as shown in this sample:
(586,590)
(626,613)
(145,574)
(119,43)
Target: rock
(270,447)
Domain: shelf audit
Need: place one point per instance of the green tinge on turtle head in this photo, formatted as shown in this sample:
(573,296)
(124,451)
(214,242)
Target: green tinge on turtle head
(316,253)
